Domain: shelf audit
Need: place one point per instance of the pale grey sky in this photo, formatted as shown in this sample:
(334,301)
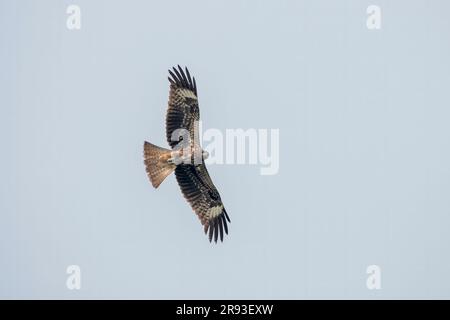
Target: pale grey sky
(364,149)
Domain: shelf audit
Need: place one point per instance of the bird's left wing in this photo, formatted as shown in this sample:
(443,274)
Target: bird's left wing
(202,195)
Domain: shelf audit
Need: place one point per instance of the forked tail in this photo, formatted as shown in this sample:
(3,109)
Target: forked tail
(156,163)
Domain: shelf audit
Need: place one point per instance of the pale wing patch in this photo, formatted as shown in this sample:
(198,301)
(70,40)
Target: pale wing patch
(186,93)
(214,212)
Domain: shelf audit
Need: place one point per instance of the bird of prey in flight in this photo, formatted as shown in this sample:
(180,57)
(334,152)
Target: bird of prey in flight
(186,156)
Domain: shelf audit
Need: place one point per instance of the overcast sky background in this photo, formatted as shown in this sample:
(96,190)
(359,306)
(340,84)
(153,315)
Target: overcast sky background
(364,149)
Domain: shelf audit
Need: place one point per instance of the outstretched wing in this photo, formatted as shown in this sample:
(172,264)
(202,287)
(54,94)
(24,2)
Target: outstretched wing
(183,111)
(202,195)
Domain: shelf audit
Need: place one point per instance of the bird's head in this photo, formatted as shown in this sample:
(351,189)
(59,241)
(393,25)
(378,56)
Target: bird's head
(205,154)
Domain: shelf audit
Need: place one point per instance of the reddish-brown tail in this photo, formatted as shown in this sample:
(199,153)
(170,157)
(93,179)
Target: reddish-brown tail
(156,165)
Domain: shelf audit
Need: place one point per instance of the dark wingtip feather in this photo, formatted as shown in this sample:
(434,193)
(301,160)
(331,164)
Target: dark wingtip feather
(195,85)
(185,80)
(224,223)
(179,75)
(220,228)
(216,230)
(174,78)
(226,215)
(189,78)
(211,229)
(182,79)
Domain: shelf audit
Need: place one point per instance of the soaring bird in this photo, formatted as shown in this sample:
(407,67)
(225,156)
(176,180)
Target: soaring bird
(186,156)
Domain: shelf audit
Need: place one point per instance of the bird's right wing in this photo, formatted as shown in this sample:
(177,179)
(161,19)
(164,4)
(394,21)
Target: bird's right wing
(183,110)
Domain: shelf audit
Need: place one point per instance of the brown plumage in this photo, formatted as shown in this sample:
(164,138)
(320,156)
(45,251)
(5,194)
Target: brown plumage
(192,176)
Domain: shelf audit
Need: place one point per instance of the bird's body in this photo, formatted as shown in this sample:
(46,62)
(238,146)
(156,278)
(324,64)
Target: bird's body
(187,159)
